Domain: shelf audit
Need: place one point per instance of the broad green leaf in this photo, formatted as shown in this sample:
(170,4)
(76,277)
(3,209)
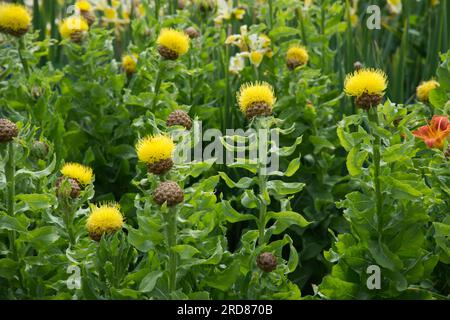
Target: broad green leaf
(355,161)
(231,215)
(148,283)
(285,188)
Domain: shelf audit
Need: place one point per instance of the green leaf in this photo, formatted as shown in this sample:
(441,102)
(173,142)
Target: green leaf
(231,215)
(12,224)
(8,268)
(185,251)
(249,200)
(320,143)
(148,283)
(384,256)
(34,202)
(243,183)
(285,188)
(398,152)
(283,32)
(42,237)
(294,165)
(285,219)
(355,161)
(225,279)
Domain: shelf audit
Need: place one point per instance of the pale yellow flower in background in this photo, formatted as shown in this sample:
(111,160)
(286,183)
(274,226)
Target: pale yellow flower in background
(395,6)
(237,64)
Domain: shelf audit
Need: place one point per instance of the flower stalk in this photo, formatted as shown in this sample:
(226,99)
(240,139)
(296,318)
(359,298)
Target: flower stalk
(171,238)
(10,172)
(21,49)
(373,117)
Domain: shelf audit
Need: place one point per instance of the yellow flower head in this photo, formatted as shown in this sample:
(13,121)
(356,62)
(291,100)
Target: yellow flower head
(298,54)
(153,149)
(105,218)
(14,19)
(259,92)
(129,63)
(174,40)
(83,5)
(73,25)
(110,13)
(82,174)
(366,80)
(424,89)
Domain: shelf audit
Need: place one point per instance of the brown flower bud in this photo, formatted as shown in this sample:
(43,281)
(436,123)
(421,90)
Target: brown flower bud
(192,32)
(160,167)
(258,109)
(170,192)
(367,101)
(66,190)
(179,117)
(166,53)
(8,130)
(267,261)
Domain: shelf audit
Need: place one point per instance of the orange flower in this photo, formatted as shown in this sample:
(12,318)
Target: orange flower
(435,133)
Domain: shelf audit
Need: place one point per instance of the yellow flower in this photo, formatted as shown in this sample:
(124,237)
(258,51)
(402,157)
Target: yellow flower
(434,3)
(366,81)
(259,92)
(424,89)
(14,19)
(73,25)
(110,13)
(82,174)
(395,6)
(153,149)
(256,57)
(174,40)
(129,63)
(103,219)
(298,54)
(239,13)
(83,5)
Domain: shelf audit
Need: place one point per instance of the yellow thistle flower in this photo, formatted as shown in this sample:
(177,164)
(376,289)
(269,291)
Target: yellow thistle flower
(174,40)
(366,80)
(153,149)
(104,219)
(259,92)
(73,25)
(424,89)
(83,5)
(129,63)
(82,174)
(14,19)
(297,56)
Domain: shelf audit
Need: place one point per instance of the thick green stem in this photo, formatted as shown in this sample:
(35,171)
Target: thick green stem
(270,14)
(67,214)
(157,6)
(171,235)
(24,62)
(262,182)
(262,208)
(373,117)
(158,84)
(10,172)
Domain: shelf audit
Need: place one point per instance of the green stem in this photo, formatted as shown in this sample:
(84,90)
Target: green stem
(373,117)
(67,215)
(157,6)
(270,14)
(24,62)
(157,84)
(171,235)
(262,182)
(10,172)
